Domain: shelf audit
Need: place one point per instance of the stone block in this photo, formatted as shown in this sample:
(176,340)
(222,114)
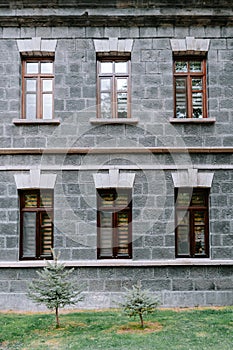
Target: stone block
(142,254)
(157,285)
(112,285)
(182,284)
(95,285)
(11,32)
(148,32)
(4,287)
(18,286)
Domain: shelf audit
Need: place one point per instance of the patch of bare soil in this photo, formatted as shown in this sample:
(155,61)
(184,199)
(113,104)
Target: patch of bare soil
(134,327)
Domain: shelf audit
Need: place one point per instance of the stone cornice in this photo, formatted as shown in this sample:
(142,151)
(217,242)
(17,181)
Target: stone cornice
(125,17)
(119,263)
(116,150)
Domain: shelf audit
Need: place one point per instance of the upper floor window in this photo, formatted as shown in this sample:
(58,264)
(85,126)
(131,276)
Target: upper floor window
(190,87)
(37,84)
(192,223)
(113,87)
(36,224)
(114,218)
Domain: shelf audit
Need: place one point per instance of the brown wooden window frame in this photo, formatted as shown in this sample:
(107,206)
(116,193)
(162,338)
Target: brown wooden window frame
(39,91)
(41,242)
(194,222)
(113,90)
(189,90)
(114,210)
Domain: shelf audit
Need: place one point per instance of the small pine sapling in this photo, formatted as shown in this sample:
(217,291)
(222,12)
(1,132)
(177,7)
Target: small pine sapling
(139,302)
(54,288)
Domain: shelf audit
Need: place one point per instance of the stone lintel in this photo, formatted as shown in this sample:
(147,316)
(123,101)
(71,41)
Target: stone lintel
(192,178)
(114,179)
(35,180)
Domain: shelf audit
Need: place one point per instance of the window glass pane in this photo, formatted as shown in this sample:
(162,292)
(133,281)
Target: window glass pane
(181,100)
(121,67)
(47,67)
(31,85)
(46,233)
(105,84)
(106,219)
(199,232)
(123,232)
(30,200)
(195,66)
(122,199)
(47,106)
(181,105)
(183,240)
(122,105)
(107,199)
(181,84)
(197,105)
(181,67)
(106,67)
(183,198)
(47,85)
(32,67)
(196,84)
(121,84)
(199,218)
(29,234)
(46,200)
(182,217)
(105,101)
(30,106)
(106,243)
(198,198)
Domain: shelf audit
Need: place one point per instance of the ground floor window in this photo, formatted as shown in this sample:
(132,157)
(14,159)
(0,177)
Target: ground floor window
(114,223)
(192,222)
(36,224)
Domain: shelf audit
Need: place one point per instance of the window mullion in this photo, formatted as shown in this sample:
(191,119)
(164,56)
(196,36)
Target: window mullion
(114,95)
(206,228)
(204,93)
(114,232)
(39,98)
(38,242)
(189,96)
(192,234)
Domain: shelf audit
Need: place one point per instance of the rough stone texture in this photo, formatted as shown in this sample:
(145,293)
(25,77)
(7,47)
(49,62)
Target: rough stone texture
(152,107)
(105,287)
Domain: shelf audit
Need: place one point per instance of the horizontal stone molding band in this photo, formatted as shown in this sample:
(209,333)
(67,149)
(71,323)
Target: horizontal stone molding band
(122,262)
(114,150)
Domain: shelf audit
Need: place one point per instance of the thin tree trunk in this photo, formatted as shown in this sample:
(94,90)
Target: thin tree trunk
(141,319)
(57,318)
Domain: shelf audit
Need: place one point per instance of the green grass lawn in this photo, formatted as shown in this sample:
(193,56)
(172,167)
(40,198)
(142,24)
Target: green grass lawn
(183,329)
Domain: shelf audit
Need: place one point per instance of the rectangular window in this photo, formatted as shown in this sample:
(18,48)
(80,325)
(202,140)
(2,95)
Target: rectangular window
(37,83)
(36,224)
(113,87)
(192,223)
(190,87)
(114,218)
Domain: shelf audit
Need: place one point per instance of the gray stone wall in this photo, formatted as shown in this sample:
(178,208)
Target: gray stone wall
(152,87)
(153,190)
(153,211)
(105,286)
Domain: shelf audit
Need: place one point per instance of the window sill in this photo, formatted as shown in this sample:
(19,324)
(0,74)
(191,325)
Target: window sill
(114,121)
(193,120)
(120,263)
(36,122)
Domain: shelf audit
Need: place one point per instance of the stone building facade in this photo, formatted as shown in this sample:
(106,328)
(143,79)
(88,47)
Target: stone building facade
(116,148)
